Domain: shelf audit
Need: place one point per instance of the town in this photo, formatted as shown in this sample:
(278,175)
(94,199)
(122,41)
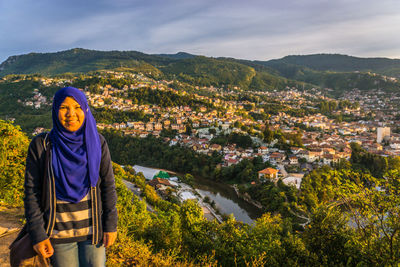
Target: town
(324,140)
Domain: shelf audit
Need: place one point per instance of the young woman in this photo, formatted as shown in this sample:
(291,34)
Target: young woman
(71,215)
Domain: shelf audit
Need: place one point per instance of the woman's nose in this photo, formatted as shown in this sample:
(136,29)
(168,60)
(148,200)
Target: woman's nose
(71,112)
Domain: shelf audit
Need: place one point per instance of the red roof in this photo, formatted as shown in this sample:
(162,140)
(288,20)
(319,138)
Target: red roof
(269,171)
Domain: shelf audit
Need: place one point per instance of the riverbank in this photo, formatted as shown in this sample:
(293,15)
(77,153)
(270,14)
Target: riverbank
(225,198)
(246,197)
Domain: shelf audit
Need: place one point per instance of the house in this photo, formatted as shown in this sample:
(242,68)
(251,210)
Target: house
(310,156)
(157,126)
(149,126)
(277,157)
(294,179)
(230,162)
(166,123)
(293,160)
(175,127)
(186,195)
(263,150)
(268,173)
(215,147)
(296,150)
(159,181)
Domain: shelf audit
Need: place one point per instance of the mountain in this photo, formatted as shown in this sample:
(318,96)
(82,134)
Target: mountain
(337,72)
(195,70)
(340,63)
(179,55)
(78,60)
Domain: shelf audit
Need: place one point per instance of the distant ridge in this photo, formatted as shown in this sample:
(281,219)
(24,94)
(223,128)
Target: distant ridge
(341,63)
(333,71)
(179,55)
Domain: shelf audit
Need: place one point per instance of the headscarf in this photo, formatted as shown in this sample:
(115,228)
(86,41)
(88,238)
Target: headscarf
(75,155)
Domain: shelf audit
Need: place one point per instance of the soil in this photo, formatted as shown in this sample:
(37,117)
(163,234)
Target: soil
(11,219)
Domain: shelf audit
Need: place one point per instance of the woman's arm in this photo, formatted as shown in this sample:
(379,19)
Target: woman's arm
(34,174)
(108,193)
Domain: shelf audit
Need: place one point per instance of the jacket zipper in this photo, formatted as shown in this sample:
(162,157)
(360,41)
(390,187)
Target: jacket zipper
(51,201)
(53,198)
(94,215)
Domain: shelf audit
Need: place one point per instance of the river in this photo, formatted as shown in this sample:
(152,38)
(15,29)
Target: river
(227,201)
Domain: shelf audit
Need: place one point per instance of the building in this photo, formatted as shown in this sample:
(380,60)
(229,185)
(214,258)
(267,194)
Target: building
(294,179)
(268,173)
(382,133)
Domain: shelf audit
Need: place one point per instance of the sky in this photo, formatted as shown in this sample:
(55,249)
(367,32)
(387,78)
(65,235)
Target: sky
(245,29)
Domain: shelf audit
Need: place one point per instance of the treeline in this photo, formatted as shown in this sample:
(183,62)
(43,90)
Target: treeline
(110,116)
(151,151)
(163,98)
(326,107)
(371,163)
(285,140)
(241,140)
(344,63)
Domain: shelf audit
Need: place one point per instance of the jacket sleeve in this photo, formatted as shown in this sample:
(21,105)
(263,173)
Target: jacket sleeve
(34,174)
(108,192)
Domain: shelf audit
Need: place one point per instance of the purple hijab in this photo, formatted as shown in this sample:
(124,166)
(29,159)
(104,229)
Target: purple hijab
(75,155)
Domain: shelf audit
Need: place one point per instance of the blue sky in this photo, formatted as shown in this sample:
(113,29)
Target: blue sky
(241,29)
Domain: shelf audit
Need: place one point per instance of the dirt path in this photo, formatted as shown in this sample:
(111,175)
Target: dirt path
(9,218)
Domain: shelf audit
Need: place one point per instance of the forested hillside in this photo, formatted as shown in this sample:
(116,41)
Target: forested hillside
(342,63)
(337,72)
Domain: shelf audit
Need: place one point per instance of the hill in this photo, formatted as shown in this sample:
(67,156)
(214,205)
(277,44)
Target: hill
(341,63)
(337,72)
(79,60)
(179,55)
(196,70)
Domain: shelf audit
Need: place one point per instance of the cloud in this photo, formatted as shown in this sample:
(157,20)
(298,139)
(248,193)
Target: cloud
(252,29)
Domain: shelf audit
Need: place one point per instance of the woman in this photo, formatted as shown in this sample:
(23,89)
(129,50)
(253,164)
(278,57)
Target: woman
(71,214)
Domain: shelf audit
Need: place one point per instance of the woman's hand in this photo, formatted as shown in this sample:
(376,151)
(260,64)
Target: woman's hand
(109,238)
(44,248)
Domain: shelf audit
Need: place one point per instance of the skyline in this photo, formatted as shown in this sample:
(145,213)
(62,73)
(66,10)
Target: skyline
(255,30)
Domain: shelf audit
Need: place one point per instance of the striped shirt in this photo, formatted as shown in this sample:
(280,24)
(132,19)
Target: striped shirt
(73,221)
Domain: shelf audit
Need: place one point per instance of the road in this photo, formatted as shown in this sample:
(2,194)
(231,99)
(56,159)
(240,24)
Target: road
(282,169)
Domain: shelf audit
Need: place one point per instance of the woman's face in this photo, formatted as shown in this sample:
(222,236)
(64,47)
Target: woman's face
(70,114)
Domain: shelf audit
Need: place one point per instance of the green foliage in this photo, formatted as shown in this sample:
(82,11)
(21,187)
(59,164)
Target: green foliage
(27,117)
(353,219)
(209,71)
(151,151)
(375,164)
(244,172)
(241,140)
(13,147)
(79,60)
(330,238)
(163,98)
(110,116)
(342,63)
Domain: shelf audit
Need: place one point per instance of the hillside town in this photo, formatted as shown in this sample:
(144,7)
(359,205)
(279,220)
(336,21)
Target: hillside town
(324,139)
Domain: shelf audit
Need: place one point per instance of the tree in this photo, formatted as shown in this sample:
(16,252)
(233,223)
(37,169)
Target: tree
(13,148)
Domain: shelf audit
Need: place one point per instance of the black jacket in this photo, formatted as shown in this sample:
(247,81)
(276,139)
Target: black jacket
(40,196)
